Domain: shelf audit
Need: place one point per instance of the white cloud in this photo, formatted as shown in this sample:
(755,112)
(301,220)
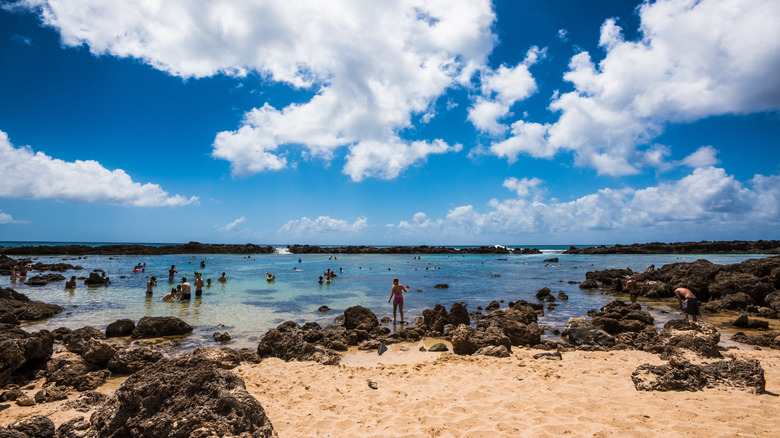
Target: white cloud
(324,224)
(522,187)
(563,35)
(372,66)
(232,225)
(35,175)
(5,218)
(703,157)
(387,160)
(696,59)
(500,89)
(708,198)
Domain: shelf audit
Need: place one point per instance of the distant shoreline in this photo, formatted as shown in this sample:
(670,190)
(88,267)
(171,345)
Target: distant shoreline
(703,247)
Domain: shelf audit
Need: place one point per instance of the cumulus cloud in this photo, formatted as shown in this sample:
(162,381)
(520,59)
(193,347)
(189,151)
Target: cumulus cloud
(370,66)
(703,157)
(695,59)
(35,175)
(500,89)
(232,225)
(323,224)
(5,218)
(707,198)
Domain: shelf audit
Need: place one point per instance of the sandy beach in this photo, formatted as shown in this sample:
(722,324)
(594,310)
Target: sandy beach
(443,395)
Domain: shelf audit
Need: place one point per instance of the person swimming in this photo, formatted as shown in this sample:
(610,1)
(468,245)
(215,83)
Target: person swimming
(222,279)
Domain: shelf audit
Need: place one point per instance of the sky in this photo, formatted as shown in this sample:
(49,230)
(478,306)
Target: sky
(407,122)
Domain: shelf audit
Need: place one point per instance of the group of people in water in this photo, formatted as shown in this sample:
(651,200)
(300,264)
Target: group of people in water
(19,271)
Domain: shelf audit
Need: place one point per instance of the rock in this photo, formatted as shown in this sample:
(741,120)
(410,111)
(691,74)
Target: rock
(21,349)
(552,260)
(158,326)
(549,356)
(87,401)
(438,347)
(8,433)
(223,357)
(288,346)
(589,284)
(590,336)
(771,339)
(248,355)
(494,305)
(360,317)
(385,320)
(11,393)
(120,328)
(459,314)
(681,375)
(435,319)
(462,342)
(744,322)
(543,293)
(36,426)
(493,350)
(43,280)
(442,286)
(311,326)
(381,348)
(95,279)
(25,401)
(222,336)
(678,334)
(15,307)
(75,373)
(369,344)
(562,296)
(288,326)
(323,309)
(78,341)
(99,352)
(131,360)
(183,397)
(73,428)
(50,394)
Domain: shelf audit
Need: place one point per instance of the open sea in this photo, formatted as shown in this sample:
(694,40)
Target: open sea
(247,306)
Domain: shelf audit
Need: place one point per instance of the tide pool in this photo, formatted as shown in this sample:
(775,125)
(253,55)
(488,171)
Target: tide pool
(247,306)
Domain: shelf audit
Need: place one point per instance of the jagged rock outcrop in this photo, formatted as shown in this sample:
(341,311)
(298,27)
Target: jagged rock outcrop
(158,326)
(289,346)
(681,375)
(182,397)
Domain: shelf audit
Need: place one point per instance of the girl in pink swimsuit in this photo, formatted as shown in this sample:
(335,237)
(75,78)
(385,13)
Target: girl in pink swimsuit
(397,295)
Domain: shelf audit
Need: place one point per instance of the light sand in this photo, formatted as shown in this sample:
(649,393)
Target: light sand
(428,394)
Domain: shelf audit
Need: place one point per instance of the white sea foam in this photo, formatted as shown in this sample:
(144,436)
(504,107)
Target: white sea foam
(282,251)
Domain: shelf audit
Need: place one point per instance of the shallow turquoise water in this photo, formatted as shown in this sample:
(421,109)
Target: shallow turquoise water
(248,306)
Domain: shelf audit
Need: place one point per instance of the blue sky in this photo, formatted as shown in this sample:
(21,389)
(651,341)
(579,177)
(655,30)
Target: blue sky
(404,122)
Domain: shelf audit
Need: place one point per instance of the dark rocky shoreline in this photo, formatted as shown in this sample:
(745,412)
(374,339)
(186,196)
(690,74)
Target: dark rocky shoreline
(206,248)
(703,247)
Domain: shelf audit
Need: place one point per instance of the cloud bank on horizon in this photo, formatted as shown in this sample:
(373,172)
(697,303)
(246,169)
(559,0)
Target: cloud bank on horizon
(375,73)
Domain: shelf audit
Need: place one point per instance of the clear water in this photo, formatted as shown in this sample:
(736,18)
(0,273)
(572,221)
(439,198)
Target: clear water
(248,306)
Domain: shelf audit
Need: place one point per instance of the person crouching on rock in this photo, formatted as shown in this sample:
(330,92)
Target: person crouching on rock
(688,303)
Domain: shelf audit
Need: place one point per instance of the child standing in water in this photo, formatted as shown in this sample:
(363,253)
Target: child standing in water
(397,295)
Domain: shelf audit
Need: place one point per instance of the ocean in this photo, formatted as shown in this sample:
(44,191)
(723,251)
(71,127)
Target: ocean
(247,306)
